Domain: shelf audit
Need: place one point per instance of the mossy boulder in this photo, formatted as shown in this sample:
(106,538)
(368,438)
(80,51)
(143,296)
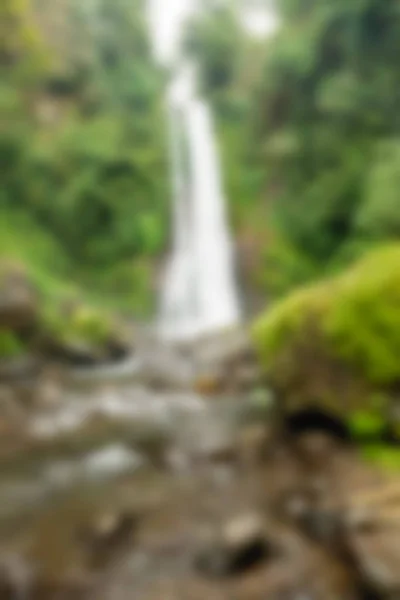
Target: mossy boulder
(38,317)
(76,333)
(336,344)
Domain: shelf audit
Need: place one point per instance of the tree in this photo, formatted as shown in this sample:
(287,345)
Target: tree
(84,142)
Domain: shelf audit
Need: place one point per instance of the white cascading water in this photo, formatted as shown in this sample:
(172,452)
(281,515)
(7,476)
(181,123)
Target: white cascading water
(199,293)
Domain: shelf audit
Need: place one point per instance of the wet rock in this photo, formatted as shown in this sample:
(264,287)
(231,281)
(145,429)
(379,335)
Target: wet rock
(18,298)
(81,336)
(226,363)
(295,569)
(239,545)
(322,525)
(10,408)
(68,588)
(209,385)
(260,406)
(163,368)
(49,388)
(326,581)
(222,346)
(16,577)
(207,439)
(20,368)
(253,443)
(77,353)
(316,447)
(155,445)
(377,554)
(107,536)
(41,389)
(373,536)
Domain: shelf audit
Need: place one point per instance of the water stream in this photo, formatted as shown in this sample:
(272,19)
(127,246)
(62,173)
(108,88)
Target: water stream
(199,294)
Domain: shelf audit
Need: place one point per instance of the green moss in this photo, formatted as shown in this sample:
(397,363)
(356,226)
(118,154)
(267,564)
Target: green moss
(79,324)
(28,248)
(386,457)
(366,424)
(363,323)
(90,324)
(338,340)
(10,345)
(65,319)
(286,321)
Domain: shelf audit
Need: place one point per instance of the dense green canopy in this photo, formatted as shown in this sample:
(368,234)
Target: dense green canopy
(307,121)
(83,146)
(320,121)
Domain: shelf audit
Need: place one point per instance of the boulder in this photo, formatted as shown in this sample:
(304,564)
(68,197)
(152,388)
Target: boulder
(237,546)
(253,442)
(19,368)
(164,368)
(106,536)
(18,298)
(373,537)
(274,562)
(79,335)
(16,577)
(333,345)
(226,363)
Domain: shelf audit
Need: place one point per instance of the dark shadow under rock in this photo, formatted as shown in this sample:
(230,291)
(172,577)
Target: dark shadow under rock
(239,545)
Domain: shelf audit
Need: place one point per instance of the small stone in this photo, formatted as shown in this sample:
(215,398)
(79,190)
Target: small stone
(16,577)
(207,386)
(253,443)
(238,546)
(243,530)
(378,555)
(106,535)
(372,534)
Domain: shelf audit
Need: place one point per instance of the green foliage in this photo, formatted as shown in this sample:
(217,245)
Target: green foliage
(79,324)
(284,323)
(341,336)
(329,89)
(23,240)
(10,345)
(18,36)
(379,216)
(307,121)
(363,323)
(284,267)
(386,457)
(107,207)
(126,286)
(366,425)
(217,48)
(82,148)
(309,130)
(62,316)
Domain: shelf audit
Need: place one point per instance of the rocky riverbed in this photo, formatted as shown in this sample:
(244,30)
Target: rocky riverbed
(167,478)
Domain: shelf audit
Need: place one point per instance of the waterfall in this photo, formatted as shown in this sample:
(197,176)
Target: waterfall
(199,294)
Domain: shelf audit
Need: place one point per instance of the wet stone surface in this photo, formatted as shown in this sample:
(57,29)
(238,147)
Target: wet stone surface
(115,488)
